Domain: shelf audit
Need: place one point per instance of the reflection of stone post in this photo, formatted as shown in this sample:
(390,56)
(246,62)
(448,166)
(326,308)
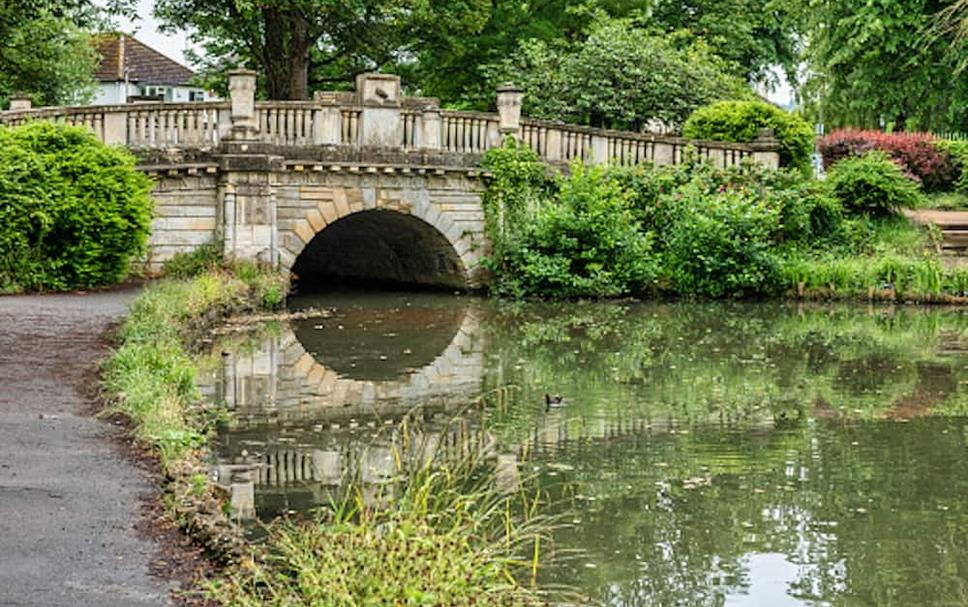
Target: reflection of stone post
(245,122)
(509,98)
(20,103)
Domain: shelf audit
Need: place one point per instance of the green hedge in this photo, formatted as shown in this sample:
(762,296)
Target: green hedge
(872,184)
(73,212)
(740,122)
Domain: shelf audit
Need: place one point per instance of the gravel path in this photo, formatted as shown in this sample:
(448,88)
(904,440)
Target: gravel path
(69,500)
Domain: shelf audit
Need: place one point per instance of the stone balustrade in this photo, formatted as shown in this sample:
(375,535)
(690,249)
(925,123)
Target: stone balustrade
(377,116)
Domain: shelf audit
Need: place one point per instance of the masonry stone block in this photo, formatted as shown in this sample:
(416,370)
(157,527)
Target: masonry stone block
(315,219)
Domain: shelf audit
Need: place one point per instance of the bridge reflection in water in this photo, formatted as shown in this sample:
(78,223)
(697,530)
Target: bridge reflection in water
(324,397)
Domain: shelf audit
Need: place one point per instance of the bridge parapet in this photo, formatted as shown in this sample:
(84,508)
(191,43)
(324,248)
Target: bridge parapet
(376,115)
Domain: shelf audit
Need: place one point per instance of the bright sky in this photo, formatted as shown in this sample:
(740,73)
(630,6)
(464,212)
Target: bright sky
(145,29)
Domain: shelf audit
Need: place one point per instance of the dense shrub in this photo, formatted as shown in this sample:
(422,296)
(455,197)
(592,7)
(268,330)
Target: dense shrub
(740,121)
(585,244)
(958,153)
(73,212)
(873,185)
(917,154)
(720,245)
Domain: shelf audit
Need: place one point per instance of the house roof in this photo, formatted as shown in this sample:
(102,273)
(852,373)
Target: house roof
(120,52)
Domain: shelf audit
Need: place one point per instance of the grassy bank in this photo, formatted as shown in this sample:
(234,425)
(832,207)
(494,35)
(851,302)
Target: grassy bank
(438,532)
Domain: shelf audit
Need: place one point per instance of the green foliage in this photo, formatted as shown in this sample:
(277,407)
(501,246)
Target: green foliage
(720,244)
(298,44)
(740,121)
(872,66)
(585,244)
(150,377)
(73,212)
(440,533)
(518,184)
(197,261)
(50,60)
(872,185)
(620,76)
(958,151)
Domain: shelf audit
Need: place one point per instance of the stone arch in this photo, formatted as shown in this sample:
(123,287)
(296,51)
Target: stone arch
(324,206)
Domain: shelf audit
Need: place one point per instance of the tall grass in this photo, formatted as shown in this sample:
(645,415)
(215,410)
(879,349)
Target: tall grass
(150,377)
(439,531)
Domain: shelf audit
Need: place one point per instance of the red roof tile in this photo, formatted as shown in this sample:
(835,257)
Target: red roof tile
(144,64)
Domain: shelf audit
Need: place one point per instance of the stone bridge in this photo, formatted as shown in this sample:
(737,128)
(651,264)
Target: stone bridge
(367,185)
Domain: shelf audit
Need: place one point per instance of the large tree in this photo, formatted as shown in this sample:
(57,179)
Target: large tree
(875,64)
(620,76)
(296,42)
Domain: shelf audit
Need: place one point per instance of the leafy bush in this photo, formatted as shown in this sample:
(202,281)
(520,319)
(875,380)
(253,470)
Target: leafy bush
(917,154)
(586,244)
(195,262)
(873,185)
(73,212)
(740,121)
(958,153)
(720,245)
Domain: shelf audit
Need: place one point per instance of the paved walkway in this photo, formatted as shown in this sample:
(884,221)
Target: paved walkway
(939,218)
(68,499)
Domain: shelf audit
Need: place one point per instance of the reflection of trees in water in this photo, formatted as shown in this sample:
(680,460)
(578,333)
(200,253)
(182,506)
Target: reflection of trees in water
(871,515)
(729,362)
(738,397)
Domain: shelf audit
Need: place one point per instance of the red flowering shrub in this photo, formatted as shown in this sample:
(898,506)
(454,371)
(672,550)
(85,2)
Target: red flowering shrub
(916,154)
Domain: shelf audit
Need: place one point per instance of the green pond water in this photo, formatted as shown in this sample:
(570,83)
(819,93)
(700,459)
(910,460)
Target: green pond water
(707,454)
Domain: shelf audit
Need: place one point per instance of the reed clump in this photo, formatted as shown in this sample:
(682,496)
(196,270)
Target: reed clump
(443,528)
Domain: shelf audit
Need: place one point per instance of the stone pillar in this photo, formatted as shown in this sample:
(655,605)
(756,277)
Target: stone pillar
(509,98)
(327,126)
(19,103)
(380,124)
(430,130)
(249,215)
(766,149)
(245,121)
(116,128)
(663,153)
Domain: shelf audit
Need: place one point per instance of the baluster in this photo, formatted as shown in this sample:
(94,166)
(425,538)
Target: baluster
(297,135)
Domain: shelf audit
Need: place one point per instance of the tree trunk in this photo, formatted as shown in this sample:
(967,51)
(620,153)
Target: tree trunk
(299,59)
(276,61)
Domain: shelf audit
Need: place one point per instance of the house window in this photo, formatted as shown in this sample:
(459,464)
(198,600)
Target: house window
(196,95)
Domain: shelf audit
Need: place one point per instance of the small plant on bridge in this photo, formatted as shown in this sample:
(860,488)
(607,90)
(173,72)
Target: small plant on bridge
(74,212)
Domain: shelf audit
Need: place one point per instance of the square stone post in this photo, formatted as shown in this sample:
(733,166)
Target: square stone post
(20,103)
(116,127)
(766,149)
(380,123)
(245,121)
(553,144)
(509,99)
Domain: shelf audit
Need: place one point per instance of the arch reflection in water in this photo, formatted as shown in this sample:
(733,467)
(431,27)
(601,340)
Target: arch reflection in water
(322,397)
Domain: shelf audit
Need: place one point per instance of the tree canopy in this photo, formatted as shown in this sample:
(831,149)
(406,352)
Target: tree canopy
(620,76)
(876,64)
(46,52)
(300,44)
